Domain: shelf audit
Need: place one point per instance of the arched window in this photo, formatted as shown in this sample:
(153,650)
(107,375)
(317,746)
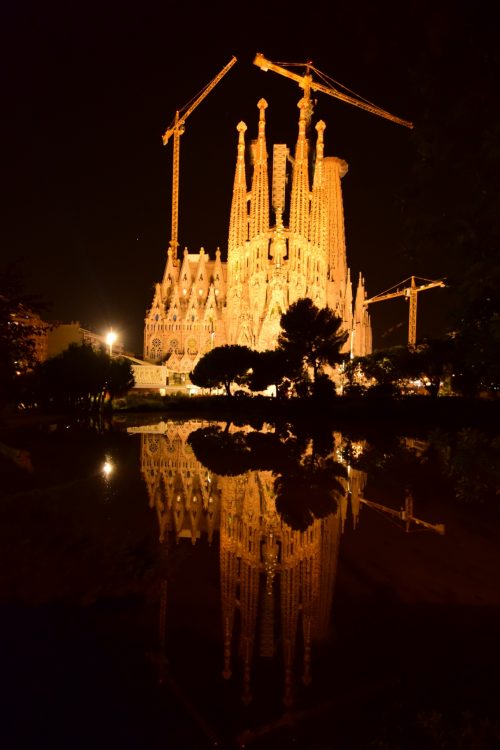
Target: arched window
(156,348)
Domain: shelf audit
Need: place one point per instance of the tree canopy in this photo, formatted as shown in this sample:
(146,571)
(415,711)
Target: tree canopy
(272,367)
(80,377)
(451,202)
(311,336)
(17,330)
(222,366)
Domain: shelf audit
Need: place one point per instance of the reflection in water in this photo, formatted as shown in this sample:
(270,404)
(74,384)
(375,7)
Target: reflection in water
(184,493)
(277,582)
(405,514)
(107,468)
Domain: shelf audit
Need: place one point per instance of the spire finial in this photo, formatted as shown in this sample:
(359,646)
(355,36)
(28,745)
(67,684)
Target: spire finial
(262,105)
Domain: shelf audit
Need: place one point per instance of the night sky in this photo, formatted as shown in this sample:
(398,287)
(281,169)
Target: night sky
(88,90)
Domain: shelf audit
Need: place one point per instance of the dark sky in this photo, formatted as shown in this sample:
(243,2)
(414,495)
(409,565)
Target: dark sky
(88,91)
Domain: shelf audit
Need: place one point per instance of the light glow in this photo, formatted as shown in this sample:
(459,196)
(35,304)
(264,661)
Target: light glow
(110,340)
(108,468)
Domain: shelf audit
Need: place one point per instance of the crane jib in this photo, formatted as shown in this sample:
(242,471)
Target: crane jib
(306,82)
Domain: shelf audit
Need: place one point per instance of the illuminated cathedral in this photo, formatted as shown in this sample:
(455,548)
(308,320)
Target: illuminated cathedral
(286,241)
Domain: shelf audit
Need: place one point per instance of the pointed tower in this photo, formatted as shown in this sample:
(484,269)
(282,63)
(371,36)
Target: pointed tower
(170,276)
(238,222)
(299,202)
(238,241)
(362,343)
(318,227)
(259,200)
(334,170)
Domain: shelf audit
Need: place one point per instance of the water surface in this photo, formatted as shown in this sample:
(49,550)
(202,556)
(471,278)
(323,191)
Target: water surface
(192,584)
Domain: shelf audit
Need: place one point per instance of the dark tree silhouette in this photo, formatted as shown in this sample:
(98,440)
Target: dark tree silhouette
(17,332)
(80,377)
(272,367)
(432,361)
(120,377)
(222,366)
(387,367)
(311,336)
(451,203)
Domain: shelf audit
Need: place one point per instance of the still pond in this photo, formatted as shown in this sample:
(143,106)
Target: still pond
(195,584)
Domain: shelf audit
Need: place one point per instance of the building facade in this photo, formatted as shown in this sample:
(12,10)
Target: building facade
(286,241)
(62,335)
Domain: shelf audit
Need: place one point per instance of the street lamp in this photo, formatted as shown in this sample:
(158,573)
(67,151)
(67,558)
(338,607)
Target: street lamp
(110,340)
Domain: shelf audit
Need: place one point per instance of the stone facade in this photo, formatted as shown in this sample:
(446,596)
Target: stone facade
(283,244)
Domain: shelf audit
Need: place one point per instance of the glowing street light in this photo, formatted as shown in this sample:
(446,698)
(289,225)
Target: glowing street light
(107,468)
(110,340)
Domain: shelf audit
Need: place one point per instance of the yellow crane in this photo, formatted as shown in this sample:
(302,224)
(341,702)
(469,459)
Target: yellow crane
(405,514)
(410,293)
(176,129)
(308,84)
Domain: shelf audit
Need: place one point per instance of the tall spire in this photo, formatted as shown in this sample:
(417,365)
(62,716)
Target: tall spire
(317,232)
(280,156)
(238,224)
(334,169)
(299,204)
(361,322)
(259,207)
(316,272)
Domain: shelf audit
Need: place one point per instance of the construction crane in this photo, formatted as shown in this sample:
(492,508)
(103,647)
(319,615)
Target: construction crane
(176,129)
(410,293)
(405,514)
(307,83)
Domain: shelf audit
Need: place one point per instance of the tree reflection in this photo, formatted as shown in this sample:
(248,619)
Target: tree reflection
(461,465)
(307,477)
(470,460)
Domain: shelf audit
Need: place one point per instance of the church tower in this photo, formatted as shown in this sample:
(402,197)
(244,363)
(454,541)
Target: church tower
(202,303)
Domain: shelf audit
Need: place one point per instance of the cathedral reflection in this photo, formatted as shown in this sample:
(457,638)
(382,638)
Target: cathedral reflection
(277,582)
(184,494)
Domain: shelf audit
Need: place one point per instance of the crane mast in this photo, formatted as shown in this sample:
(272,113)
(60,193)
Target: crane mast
(410,292)
(175,130)
(308,84)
